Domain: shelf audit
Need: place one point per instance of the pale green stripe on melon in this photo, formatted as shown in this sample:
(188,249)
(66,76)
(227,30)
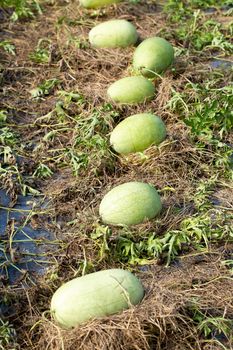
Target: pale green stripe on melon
(94,4)
(153,55)
(113,33)
(98,294)
(130,204)
(131,90)
(138,132)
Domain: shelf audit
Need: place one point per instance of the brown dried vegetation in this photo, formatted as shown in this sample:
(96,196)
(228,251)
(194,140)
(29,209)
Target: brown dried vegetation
(165,318)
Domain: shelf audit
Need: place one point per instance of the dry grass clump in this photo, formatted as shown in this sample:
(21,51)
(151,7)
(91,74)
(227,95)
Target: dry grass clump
(165,319)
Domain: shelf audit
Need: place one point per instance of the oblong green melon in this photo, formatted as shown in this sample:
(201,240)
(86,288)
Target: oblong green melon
(95,295)
(129,204)
(94,4)
(113,33)
(153,55)
(131,90)
(138,132)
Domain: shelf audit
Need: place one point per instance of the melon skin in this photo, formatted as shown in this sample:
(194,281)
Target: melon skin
(112,34)
(130,203)
(95,295)
(153,54)
(131,90)
(95,4)
(138,132)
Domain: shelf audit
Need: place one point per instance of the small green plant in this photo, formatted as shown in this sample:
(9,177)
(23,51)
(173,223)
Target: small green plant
(197,231)
(8,156)
(69,97)
(22,8)
(210,325)
(7,137)
(215,325)
(207,110)
(196,31)
(202,196)
(88,146)
(77,160)
(12,174)
(215,104)
(138,252)
(78,42)
(41,53)
(101,236)
(3,117)
(40,56)
(8,46)
(7,336)
(228,264)
(135,1)
(177,102)
(45,88)
(42,171)
(181,9)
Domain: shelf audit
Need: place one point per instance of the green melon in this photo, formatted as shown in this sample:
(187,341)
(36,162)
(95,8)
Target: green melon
(129,204)
(138,132)
(153,55)
(131,90)
(114,33)
(95,295)
(94,4)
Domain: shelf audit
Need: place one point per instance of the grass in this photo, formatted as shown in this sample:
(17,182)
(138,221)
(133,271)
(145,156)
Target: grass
(8,46)
(180,9)
(7,336)
(206,110)
(55,123)
(45,88)
(211,326)
(41,53)
(22,8)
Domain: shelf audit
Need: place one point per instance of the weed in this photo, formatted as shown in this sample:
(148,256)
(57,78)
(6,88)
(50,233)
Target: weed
(42,171)
(138,252)
(40,56)
(201,198)
(7,137)
(45,88)
(177,102)
(88,145)
(198,231)
(71,96)
(8,156)
(77,160)
(211,325)
(41,53)
(135,1)
(215,324)
(12,174)
(22,8)
(211,110)
(7,336)
(78,42)
(8,46)
(181,9)
(3,117)
(229,264)
(101,236)
(209,35)
(195,32)
(207,110)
